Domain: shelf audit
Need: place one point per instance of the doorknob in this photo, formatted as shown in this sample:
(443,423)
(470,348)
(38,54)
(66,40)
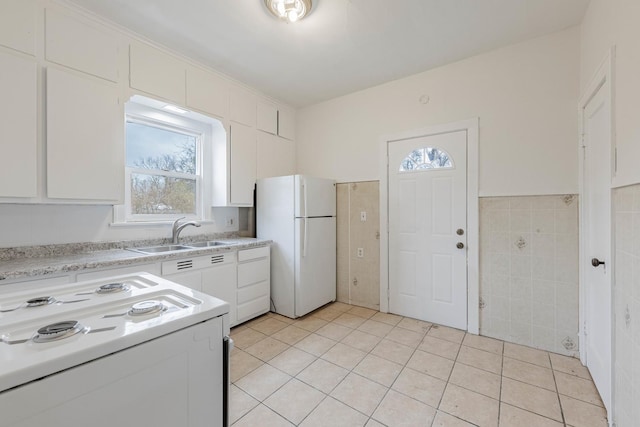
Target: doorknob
(596,262)
(459,245)
(459,231)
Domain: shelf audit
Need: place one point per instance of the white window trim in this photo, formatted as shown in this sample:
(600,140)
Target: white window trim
(203,130)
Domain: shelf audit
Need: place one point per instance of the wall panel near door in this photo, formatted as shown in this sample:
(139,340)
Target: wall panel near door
(358,241)
(529,271)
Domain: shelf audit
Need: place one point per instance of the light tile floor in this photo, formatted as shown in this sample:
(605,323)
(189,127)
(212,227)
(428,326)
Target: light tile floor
(344,365)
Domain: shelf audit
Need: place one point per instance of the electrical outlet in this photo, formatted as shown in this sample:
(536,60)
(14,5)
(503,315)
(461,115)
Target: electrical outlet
(228,222)
(360,253)
(363,216)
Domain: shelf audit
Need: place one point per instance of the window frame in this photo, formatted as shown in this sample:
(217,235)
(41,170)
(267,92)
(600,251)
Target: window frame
(203,131)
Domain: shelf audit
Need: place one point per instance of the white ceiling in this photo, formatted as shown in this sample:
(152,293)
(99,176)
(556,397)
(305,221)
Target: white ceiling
(343,45)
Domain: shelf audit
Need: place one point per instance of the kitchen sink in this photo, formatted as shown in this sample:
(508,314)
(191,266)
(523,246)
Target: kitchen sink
(208,244)
(161,249)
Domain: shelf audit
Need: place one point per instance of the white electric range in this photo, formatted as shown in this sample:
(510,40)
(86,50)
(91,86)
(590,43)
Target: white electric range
(132,350)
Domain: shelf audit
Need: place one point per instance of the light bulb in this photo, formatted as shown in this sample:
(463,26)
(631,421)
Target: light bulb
(292,16)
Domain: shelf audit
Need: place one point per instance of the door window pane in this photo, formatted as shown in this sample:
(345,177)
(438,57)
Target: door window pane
(426,158)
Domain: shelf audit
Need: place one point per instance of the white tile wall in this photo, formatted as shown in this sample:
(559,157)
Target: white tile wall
(626,356)
(529,271)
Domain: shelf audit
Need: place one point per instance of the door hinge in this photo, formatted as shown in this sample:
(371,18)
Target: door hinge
(615,161)
(584,328)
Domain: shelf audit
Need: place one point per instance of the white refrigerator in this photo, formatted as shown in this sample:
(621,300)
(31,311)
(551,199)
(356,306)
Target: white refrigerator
(298,213)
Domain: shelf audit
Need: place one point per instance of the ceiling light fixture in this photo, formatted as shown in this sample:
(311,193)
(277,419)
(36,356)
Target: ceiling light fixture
(289,10)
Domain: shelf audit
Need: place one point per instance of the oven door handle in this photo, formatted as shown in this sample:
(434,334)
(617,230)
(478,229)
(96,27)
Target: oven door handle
(227,346)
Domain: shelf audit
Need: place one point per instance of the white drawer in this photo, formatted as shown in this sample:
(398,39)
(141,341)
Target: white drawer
(254,253)
(253,309)
(252,292)
(253,272)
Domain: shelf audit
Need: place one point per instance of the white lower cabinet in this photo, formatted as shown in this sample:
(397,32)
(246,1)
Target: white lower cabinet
(254,284)
(190,279)
(215,274)
(220,281)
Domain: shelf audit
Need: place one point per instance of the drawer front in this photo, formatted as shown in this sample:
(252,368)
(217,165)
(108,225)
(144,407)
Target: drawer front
(252,292)
(197,263)
(253,309)
(254,253)
(253,272)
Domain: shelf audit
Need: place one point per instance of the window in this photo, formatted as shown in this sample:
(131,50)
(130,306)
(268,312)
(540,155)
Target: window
(162,169)
(166,176)
(426,158)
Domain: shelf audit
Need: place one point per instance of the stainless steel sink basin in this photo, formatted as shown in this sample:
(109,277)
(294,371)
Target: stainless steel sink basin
(208,244)
(161,249)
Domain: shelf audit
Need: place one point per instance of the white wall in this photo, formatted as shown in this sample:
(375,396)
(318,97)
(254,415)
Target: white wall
(608,23)
(525,96)
(27,225)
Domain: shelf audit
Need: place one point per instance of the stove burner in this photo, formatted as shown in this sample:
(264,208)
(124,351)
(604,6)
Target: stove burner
(58,331)
(110,288)
(146,307)
(39,301)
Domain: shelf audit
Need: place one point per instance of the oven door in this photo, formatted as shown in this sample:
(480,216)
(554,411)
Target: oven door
(174,380)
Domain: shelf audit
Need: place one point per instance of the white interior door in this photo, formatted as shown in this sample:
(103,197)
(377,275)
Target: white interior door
(427,208)
(597,241)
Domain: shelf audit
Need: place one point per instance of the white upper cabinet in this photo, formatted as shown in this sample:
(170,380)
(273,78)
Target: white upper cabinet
(17,25)
(234,166)
(242,164)
(18,124)
(85,138)
(207,92)
(267,118)
(276,156)
(81,46)
(242,106)
(286,124)
(157,73)
(275,120)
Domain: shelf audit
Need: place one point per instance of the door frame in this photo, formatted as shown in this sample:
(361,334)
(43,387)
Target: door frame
(471,126)
(602,79)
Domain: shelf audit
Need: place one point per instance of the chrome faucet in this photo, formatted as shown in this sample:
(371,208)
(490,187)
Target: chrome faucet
(178,228)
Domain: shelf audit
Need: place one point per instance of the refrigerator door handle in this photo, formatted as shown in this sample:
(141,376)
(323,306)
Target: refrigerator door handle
(305,237)
(304,186)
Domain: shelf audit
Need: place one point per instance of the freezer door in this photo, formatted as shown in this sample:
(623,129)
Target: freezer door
(315,277)
(314,197)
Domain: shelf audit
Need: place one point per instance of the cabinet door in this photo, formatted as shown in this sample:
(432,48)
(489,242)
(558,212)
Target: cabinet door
(190,279)
(220,282)
(242,177)
(286,124)
(242,106)
(158,73)
(17,25)
(81,46)
(18,124)
(207,92)
(276,156)
(85,138)
(267,118)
